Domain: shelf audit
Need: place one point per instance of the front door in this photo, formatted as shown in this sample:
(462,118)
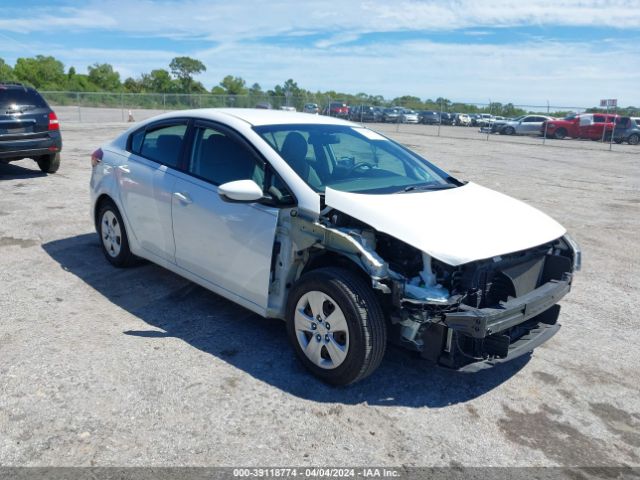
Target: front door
(229,245)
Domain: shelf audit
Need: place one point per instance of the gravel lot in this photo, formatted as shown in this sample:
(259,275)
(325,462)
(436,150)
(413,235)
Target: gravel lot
(138,367)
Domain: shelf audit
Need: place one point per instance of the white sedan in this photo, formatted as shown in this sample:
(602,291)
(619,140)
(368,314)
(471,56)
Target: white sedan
(348,236)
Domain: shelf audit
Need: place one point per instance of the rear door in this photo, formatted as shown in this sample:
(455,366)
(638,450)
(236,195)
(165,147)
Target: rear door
(229,245)
(146,184)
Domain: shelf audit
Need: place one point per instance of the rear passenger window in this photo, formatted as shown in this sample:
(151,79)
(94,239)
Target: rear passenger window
(162,145)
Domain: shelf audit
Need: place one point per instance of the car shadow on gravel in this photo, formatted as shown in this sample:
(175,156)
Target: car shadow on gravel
(177,308)
(9,171)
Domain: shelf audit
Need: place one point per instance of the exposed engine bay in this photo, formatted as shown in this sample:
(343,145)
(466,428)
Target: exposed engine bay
(453,315)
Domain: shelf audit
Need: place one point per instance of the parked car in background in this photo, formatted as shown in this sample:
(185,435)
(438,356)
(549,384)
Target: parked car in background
(408,116)
(391,115)
(287,108)
(264,106)
(627,130)
(365,113)
(569,126)
(462,120)
(446,118)
(475,118)
(311,108)
(598,126)
(336,109)
(29,128)
(429,117)
(485,120)
(329,226)
(522,125)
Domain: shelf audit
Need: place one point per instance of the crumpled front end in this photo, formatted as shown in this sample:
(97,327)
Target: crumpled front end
(482,313)
(463,315)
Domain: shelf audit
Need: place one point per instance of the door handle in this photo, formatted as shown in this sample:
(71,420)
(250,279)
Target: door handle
(184,198)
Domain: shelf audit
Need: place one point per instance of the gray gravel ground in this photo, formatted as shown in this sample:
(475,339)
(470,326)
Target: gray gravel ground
(139,367)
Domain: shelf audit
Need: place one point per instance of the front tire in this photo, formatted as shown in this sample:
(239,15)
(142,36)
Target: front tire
(633,139)
(509,131)
(113,236)
(560,134)
(49,163)
(336,325)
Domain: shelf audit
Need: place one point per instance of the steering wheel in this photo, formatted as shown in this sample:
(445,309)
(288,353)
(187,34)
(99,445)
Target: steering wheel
(358,165)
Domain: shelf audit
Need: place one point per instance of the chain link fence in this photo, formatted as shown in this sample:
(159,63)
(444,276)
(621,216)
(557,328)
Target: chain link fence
(106,107)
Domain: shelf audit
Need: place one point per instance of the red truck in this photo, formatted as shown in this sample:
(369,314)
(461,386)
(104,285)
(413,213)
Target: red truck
(600,127)
(580,125)
(569,126)
(336,109)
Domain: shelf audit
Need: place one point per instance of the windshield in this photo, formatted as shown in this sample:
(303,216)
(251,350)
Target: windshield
(352,159)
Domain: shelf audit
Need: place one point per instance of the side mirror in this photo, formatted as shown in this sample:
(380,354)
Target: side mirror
(240,191)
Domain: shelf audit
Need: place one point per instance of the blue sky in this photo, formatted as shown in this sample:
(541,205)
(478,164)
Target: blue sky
(569,52)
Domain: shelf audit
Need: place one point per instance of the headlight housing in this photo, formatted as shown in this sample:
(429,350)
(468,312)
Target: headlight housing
(577,253)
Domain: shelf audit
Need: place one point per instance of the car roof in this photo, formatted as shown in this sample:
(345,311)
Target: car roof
(259,117)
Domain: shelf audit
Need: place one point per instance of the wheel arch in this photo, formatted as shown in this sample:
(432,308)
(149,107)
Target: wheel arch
(100,201)
(329,258)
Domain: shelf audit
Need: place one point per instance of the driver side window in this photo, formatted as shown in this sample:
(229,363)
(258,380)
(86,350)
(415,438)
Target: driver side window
(219,158)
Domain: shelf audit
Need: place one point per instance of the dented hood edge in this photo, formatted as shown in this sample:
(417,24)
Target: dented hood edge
(456,226)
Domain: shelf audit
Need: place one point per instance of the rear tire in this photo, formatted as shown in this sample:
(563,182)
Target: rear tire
(633,139)
(350,349)
(49,163)
(113,236)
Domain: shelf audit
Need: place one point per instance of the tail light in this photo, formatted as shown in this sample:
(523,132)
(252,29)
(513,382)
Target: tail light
(96,157)
(54,124)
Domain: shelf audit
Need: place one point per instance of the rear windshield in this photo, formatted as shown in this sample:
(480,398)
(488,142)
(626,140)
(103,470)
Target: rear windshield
(21,97)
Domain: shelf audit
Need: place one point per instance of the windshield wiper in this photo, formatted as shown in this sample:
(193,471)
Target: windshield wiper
(415,188)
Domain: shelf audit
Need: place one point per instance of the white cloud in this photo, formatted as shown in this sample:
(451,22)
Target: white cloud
(244,19)
(567,74)
(227,37)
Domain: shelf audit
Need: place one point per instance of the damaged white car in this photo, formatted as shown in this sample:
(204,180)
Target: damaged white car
(348,236)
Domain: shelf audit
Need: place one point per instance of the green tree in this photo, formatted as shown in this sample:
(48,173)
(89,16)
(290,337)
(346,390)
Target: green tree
(158,81)
(6,72)
(43,72)
(408,101)
(233,85)
(131,85)
(104,77)
(256,89)
(80,83)
(184,68)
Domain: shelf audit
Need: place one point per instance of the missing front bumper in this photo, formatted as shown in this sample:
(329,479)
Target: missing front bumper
(474,339)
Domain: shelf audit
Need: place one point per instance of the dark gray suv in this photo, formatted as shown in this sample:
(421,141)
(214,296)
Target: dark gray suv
(29,127)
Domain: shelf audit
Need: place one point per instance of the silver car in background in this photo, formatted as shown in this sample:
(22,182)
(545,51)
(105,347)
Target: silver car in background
(311,108)
(522,125)
(408,116)
(349,237)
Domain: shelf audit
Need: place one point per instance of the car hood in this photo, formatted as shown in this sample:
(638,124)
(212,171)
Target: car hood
(457,226)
